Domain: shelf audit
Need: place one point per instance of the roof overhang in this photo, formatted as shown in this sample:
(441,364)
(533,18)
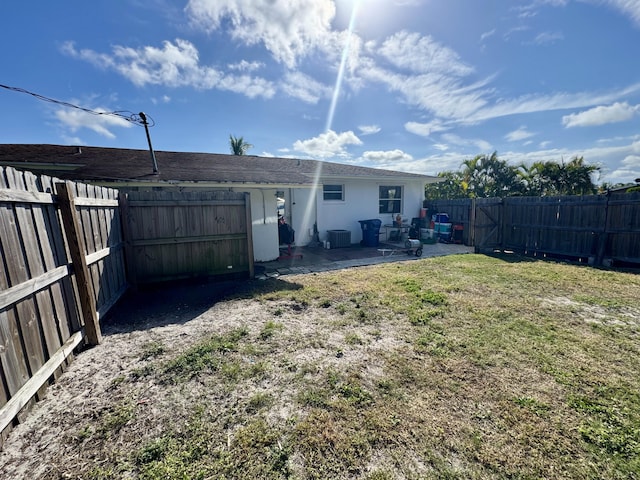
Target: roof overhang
(181,184)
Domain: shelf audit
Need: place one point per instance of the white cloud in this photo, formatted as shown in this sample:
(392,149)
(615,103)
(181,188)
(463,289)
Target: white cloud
(75,120)
(252,87)
(425,129)
(327,145)
(245,66)
(288,29)
(602,115)
(548,38)
(488,34)
(543,103)
(369,129)
(422,54)
(305,88)
(509,33)
(444,96)
(174,65)
(531,9)
(520,134)
(163,99)
(72,140)
(482,145)
(431,165)
(387,157)
(631,8)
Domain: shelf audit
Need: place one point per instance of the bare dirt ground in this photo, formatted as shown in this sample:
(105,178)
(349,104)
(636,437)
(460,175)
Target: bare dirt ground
(48,444)
(175,317)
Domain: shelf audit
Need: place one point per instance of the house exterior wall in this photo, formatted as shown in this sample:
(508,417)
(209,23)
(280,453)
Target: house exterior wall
(264,224)
(361,202)
(303,214)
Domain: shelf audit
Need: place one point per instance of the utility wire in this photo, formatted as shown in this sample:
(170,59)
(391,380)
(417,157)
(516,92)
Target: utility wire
(131,117)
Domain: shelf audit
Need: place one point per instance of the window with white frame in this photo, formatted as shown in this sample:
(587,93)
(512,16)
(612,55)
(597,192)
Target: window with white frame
(390,199)
(333,192)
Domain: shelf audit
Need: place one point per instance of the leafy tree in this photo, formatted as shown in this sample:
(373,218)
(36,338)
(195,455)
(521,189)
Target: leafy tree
(572,178)
(488,176)
(450,187)
(531,180)
(238,146)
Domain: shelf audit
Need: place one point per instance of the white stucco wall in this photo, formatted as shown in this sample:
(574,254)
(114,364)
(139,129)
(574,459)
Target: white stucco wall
(302,209)
(306,205)
(264,224)
(361,203)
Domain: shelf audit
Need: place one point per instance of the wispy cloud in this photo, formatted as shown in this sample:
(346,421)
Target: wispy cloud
(425,129)
(630,8)
(601,115)
(426,74)
(520,134)
(457,140)
(488,34)
(305,88)
(548,38)
(422,54)
(246,66)
(77,120)
(548,102)
(163,99)
(369,129)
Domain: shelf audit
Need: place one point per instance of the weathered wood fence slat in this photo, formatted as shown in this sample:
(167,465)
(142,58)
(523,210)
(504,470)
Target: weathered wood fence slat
(175,235)
(69,252)
(594,228)
(41,322)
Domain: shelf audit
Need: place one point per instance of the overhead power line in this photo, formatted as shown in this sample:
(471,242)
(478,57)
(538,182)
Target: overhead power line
(131,117)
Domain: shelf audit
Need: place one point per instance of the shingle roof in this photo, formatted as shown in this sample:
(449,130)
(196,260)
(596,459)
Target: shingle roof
(100,164)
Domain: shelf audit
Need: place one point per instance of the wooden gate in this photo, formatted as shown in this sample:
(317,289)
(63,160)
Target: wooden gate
(175,235)
(488,214)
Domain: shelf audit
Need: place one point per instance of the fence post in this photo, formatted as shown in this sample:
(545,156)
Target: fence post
(503,223)
(249,222)
(603,239)
(472,223)
(78,250)
(125,219)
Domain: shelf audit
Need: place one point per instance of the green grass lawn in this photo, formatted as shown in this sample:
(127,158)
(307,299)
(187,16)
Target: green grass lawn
(460,367)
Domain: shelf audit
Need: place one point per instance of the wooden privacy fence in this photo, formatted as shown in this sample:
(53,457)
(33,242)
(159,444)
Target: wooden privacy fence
(173,235)
(62,268)
(594,228)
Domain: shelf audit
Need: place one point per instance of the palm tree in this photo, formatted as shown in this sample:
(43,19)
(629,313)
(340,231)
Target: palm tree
(238,145)
(488,176)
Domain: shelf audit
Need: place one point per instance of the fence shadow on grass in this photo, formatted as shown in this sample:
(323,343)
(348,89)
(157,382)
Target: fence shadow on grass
(515,257)
(179,302)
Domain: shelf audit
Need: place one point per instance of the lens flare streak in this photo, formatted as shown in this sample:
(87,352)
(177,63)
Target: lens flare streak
(343,63)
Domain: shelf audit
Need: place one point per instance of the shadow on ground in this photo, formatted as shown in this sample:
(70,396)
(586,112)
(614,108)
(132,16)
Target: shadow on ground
(177,303)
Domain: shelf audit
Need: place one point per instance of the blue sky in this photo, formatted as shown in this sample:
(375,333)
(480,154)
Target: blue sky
(411,85)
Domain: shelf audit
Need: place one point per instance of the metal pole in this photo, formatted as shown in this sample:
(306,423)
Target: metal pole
(146,129)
